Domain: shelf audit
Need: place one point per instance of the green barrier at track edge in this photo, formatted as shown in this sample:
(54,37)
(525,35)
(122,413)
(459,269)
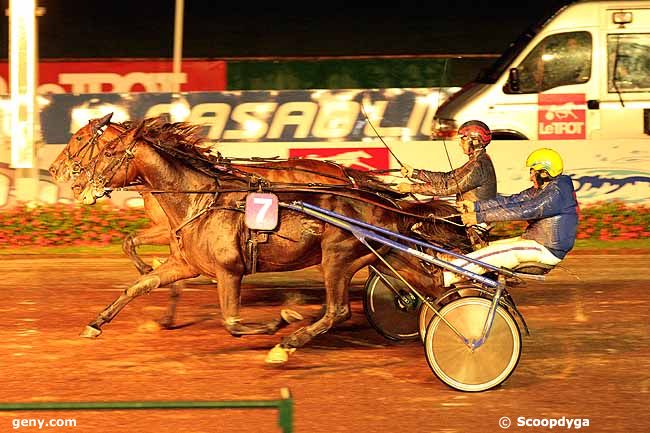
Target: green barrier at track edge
(284,406)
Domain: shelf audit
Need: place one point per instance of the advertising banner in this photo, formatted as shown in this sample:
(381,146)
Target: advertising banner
(124,76)
(262,116)
(354,127)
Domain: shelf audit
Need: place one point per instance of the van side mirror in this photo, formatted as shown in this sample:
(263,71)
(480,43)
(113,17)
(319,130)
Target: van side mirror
(513,80)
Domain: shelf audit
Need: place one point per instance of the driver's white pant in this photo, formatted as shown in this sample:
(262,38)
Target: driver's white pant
(506,253)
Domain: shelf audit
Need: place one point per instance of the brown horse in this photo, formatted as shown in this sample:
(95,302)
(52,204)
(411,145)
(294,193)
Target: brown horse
(89,141)
(210,236)
(84,145)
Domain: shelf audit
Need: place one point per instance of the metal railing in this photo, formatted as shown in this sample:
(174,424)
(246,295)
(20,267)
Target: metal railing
(284,405)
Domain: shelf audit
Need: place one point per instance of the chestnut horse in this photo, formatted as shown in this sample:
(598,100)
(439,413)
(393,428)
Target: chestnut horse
(89,141)
(84,145)
(210,236)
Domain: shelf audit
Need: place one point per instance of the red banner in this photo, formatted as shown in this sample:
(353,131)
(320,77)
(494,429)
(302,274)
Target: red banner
(562,116)
(360,158)
(124,76)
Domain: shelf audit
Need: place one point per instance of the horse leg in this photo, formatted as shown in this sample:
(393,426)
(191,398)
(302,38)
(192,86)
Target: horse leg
(169,318)
(229,288)
(155,235)
(167,273)
(337,278)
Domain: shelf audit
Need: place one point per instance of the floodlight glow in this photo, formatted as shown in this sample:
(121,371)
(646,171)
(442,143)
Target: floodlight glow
(22,83)
(79,116)
(179,110)
(252,128)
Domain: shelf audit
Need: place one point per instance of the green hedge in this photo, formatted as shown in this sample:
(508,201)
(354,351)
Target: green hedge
(102,224)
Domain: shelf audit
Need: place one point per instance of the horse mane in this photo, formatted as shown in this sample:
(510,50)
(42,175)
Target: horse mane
(181,135)
(182,141)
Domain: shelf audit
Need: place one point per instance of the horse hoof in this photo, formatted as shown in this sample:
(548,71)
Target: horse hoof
(279,355)
(291,316)
(90,332)
(166,323)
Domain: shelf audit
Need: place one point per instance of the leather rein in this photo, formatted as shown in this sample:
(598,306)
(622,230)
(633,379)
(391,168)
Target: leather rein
(299,188)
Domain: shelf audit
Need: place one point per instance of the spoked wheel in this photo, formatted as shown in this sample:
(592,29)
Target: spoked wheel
(424,318)
(425,314)
(393,316)
(455,363)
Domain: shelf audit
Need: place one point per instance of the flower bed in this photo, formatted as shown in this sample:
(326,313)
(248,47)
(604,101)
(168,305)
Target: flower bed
(65,224)
(103,224)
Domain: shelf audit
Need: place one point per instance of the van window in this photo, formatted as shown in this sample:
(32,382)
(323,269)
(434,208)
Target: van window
(558,60)
(628,63)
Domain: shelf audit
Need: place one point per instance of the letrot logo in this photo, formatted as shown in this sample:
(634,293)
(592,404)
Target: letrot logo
(562,116)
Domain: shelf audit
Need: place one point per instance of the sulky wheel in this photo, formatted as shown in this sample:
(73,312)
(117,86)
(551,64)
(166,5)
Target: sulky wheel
(394,317)
(425,314)
(455,363)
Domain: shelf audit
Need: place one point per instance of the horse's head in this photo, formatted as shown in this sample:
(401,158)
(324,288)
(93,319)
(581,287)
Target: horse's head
(110,168)
(82,147)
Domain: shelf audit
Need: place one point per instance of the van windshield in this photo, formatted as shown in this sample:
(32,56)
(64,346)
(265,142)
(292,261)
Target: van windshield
(491,74)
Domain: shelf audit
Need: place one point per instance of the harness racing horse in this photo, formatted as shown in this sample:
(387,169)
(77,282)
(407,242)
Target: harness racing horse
(210,235)
(89,141)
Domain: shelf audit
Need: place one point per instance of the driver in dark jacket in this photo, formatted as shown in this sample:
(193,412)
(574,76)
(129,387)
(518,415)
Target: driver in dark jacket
(549,206)
(475,180)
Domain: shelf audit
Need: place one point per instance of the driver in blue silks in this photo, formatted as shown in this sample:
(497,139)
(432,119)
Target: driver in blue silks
(549,206)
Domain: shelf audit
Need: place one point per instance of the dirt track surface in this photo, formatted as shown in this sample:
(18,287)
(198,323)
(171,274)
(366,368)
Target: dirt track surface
(588,355)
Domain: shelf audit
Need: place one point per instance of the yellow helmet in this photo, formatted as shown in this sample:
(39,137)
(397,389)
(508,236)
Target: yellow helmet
(546,159)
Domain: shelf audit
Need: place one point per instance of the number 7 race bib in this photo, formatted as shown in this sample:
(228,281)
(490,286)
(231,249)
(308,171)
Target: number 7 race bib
(261,211)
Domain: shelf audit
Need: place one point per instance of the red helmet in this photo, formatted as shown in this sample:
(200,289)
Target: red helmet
(477,131)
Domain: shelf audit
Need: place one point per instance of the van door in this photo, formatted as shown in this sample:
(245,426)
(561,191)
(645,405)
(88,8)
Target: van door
(557,82)
(625,101)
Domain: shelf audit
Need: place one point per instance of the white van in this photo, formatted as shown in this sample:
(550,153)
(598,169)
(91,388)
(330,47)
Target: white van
(580,83)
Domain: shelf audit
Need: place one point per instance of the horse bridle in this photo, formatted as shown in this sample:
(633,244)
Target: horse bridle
(74,160)
(98,182)
(88,149)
